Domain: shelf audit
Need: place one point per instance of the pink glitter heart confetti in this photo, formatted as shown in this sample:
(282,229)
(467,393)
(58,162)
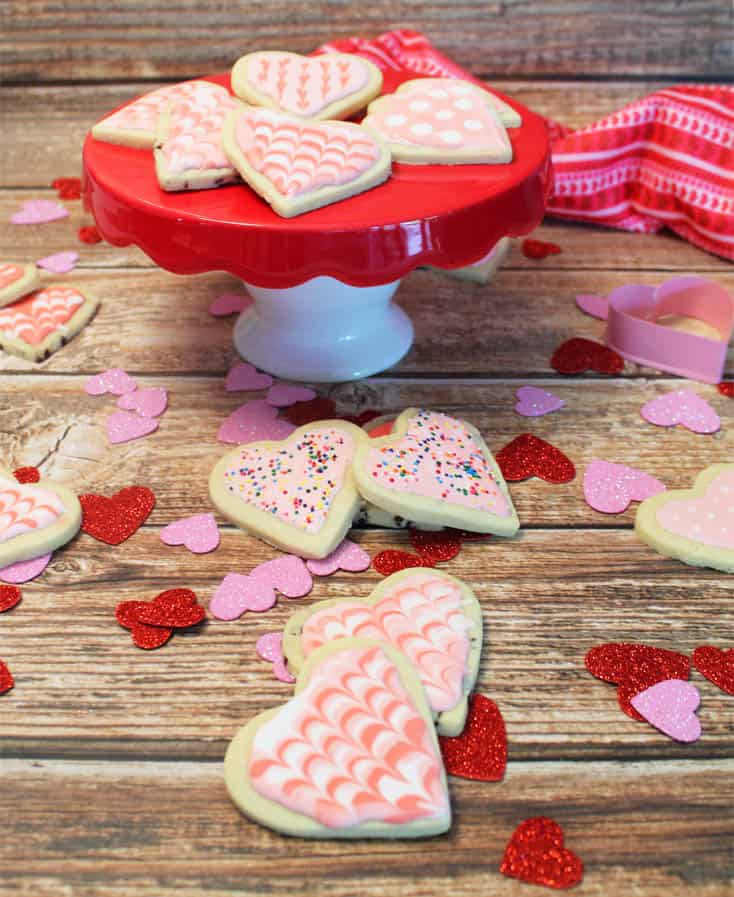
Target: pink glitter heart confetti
(149,402)
(252,422)
(25,571)
(115,381)
(270,647)
(238,593)
(671,707)
(282,395)
(59,262)
(347,556)
(609,488)
(245,376)
(229,304)
(39,211)
(534,402)
(122,426)
(683,407)
(288,574)
(596,306)
(199,533)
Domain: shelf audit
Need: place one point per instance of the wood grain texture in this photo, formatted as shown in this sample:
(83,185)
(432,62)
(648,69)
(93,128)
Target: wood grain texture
(94,41)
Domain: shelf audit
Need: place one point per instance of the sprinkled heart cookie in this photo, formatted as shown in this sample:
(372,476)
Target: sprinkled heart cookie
(334,85)
(17,280)
(432,617)
(694,525)
(353,754)
(37,325)
(35,518)
(298,493)
(436,470)
(509,117)
(449,123)
(297,165)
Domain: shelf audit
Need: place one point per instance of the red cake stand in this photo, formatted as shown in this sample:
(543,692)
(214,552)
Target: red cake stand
(323,282)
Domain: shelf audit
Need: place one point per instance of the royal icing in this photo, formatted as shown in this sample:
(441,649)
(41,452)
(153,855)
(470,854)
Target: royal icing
(194,139)
(9,273)
(707,518)
(305,86)
(296,483)
(143,113)
(34,317)
(25,509)
(351,747)
(422,616)
(438,458)
(300,157)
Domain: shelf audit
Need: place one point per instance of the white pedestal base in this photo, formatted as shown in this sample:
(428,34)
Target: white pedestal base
(323,330)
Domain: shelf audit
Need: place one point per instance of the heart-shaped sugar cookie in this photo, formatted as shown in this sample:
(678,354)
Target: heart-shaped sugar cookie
(16,280)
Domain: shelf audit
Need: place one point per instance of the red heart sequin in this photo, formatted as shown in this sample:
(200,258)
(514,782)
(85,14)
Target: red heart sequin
(68,188)
(27,474)
(528,456)
(9,597)
(390,561)
(634,668)
(307,412)
(536,854)
(147,637)
(89,234)
(717,665)
(442,545)
(112,520)
(480,752)
(727,389)
(6,678)
(539,249)
(578,355)
(173,609)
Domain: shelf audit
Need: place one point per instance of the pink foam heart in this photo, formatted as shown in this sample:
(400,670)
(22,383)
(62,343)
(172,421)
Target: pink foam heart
(283,394)
(148,402)
(252,422)
(683,407)
(122,426)
(610,488)
(288,574)
(244,376)
(534,402)
(25,571)
(39,211)
(270,647)
(229,304)
(671,707)
(59,262)
(347,556)
(115,381)
(596,306)
(198,533)
(237,593)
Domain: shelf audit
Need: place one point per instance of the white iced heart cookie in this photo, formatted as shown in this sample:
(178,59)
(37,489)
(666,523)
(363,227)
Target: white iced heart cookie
(17,280)
(35,519)
(334,85)
(297,165)
(432,617)
(436,470)
(446,123)
(298,493)
(694,525)
(353,755)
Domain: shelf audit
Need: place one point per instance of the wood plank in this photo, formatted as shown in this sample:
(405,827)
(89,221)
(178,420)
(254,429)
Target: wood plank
(83,689)
(91,41)
(168,830)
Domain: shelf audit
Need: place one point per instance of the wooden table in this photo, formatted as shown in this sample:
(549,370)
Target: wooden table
(111,757)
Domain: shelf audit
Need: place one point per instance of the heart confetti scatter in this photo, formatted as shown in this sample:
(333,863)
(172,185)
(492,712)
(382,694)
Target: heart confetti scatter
(539,249)
(671,707)
(287,574)
(717,665)
(229,304)
(146,637)
(122,426)
(270,647)
(10,596)
(536,854)
(149,402)
(480,752)
(254,421)
(534,402)
(172,609)
(68,188)
(27,474)
(595,306)
(39,211)
(6,678)
(391,561)
(727,389)
(243,376)
(282,395)
(683,407)
(317,409)
(59,262)
(236,594)
(527,455)
(25,571)
(89,234)
(114,381)
(115,519)
(435,547)
(346,556)
(609,488)
(578,355)
(199,533)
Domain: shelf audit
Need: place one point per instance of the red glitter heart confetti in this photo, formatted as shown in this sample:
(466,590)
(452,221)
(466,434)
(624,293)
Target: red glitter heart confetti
(67,188)
(480,752)
(528,456)
(313,410)
(27,474)
(536,854)
(390,561)
(578,355)
(9,597)
(727,389)
(442,545)
(634,668)
(717,665)
(6,678)
(89,234)
(146,637)
(115,519)
(539,249)
(172,609)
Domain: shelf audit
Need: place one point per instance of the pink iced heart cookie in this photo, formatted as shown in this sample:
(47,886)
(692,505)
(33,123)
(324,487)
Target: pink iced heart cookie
(149,402)
(330,86)
(243,376)
(683,407)
(229,304)
(347,556)
(39,211)
(114,381)
(534,402)
(122,426)
(59,262)
(671,707)
(270,647)
(609,488)
(25,571)
(198,533)
(283,394)
(252,422)
(16,281)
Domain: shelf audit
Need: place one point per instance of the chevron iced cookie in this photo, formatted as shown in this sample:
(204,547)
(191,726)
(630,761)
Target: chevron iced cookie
(509,117)
(436,470)
(297,493)
(432,617)
(334,85)
(136,124)
(17,280)
(35,519)
(297,165)
(37,325)
(695,525)
(449,123)
(353,754)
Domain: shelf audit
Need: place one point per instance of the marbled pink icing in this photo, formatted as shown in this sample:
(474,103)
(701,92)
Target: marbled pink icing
(707,518)
(26,509)
(194,140)
(143,113)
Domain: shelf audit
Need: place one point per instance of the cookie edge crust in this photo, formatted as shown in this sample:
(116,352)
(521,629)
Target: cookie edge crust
(59,337)
(29,282)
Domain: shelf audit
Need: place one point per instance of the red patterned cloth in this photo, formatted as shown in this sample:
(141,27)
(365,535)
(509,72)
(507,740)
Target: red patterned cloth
(663,161)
